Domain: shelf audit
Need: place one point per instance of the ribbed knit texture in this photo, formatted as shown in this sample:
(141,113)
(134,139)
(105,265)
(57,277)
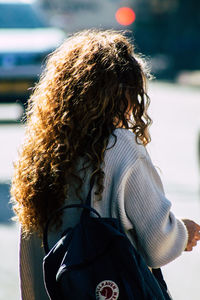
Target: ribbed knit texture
(133,192)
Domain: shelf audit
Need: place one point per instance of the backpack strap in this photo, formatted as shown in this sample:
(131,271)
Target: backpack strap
(86,212)
(88,199)
(87,209)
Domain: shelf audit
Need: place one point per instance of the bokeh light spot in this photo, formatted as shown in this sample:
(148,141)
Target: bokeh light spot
(125,16)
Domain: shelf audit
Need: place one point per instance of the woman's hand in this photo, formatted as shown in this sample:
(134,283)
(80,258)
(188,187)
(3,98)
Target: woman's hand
(193,233)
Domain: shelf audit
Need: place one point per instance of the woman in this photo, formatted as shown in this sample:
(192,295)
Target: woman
(88,117)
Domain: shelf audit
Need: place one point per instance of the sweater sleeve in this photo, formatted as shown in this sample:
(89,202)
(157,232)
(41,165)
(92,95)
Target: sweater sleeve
(31,277)
(160,236)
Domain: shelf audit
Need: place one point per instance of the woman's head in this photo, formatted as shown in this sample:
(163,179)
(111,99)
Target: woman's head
(91,84)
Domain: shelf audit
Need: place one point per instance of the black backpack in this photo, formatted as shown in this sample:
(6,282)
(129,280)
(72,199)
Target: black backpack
(96,260)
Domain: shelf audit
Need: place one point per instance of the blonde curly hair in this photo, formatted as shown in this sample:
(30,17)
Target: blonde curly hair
(80,99)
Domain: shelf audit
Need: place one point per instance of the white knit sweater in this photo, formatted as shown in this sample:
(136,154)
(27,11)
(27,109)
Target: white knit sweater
(133,192)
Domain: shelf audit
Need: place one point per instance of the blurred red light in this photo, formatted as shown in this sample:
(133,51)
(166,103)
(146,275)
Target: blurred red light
(125,16)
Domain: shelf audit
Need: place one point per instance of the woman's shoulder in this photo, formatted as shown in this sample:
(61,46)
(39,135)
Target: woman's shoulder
(124,141)
(123,149)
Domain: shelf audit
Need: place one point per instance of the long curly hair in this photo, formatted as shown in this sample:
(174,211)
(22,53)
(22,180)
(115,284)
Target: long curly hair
(88,85)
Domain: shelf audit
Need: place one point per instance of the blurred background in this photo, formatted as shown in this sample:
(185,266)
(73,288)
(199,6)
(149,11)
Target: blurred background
(167,32)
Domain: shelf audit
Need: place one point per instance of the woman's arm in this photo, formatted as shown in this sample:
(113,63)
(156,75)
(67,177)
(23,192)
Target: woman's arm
(160,235)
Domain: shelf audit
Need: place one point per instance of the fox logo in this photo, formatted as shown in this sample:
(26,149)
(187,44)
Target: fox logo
(107,290)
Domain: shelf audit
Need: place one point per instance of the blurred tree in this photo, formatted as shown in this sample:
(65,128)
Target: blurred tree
(171,28)
(48,4)
(185,35)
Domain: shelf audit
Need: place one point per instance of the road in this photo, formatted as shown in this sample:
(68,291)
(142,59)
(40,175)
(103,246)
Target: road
(175,111)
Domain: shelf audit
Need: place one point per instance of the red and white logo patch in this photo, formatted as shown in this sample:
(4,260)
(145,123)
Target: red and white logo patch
(107,290)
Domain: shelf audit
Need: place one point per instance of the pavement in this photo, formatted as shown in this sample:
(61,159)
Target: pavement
(191,78)
(175,110)
(9,279)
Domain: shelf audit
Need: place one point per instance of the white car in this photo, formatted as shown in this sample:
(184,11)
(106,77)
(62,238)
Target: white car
(25,40)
